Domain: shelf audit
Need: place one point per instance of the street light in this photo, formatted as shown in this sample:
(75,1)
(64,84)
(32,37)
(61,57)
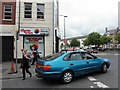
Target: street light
(64,30)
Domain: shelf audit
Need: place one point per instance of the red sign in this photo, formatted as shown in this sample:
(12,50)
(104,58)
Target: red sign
(26,31)
(34,39)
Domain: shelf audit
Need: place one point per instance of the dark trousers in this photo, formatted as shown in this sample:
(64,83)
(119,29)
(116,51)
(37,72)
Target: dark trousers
(34,59)
(27,70)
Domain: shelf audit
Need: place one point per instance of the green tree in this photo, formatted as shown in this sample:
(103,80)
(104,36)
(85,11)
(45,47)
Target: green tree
(105,40)
(118,37)
(94,39)
(86,42)
(67,45)
(74,43)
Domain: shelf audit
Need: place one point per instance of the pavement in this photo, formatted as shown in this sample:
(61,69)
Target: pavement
(5,71)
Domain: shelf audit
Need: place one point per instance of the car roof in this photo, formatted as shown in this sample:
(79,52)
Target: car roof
(75,51)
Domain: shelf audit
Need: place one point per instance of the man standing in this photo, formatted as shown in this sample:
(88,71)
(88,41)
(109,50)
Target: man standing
(25,64)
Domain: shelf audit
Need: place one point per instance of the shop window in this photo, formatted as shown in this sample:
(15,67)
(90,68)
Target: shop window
(40,11)
(27,10)
(7,12)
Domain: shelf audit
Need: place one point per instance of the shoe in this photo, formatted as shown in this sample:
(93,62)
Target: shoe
(30,75)
(23,79)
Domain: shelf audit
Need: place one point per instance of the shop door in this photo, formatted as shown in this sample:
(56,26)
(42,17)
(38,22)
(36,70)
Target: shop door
(7,48)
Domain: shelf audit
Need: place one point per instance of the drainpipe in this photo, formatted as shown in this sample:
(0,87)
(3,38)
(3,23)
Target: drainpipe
(53,26)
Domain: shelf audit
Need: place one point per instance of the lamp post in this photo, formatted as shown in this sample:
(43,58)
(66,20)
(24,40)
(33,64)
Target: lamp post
(17,37)
(64,31)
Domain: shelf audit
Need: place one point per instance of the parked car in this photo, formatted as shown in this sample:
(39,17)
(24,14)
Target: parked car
(102,49)
(90,50)
(67,65)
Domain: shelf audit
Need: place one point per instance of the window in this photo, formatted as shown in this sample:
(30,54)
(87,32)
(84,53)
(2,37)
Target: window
(87,56)
(67,57)
(54,56)
(28,10)
(7,12)
(40,11)
(75,56)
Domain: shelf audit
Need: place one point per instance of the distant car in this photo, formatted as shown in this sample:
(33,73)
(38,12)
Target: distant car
(67,65)
(102,49)
(92,50)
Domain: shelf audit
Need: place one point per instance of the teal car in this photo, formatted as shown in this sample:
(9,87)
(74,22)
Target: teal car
(67,65)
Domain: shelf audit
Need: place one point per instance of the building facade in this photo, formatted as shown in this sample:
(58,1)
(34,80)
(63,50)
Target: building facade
(112,34)
(24,23)
(79,38)
(37,23)
(7,29)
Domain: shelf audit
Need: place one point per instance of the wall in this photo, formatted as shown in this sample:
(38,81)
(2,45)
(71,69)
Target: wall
(34,22)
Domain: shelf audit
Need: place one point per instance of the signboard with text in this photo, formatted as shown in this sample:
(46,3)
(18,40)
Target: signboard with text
(33,39)
(34,31)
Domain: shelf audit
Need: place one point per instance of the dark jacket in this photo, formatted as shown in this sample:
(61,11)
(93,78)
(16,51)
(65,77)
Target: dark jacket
(25,62)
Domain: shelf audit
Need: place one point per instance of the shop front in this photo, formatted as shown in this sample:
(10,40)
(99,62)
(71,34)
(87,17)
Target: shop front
(36,37)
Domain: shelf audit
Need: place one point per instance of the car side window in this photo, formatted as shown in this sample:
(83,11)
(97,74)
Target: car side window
(75,56)
(87,56)
(67,57)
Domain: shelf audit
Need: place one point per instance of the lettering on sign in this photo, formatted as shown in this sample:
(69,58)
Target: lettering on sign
(33,39)
(34,31)
(26,31)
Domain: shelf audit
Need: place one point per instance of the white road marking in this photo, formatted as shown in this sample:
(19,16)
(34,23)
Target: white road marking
(117,54)
(91,78)
(101,85)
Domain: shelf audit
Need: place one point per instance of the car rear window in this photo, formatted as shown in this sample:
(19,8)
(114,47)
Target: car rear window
(54,56)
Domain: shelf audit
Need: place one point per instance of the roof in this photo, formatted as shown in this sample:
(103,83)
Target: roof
(111,32)
(79,37)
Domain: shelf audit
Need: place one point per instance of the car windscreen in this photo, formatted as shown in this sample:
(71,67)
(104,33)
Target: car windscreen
(54,56)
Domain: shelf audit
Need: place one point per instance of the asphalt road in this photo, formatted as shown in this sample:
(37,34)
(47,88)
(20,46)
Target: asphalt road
(94,80)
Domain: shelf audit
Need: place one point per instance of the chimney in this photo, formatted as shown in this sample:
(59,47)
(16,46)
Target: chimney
(106,30)
(117,28)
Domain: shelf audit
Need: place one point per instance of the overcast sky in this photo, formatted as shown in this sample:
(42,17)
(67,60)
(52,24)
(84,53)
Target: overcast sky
(86,16)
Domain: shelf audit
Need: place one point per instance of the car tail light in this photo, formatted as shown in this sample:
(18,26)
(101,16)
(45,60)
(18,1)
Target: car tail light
(36,65)
(46,67)
(43,67)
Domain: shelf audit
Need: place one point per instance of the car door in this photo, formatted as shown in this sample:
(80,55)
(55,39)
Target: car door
(92,62)
(76,63)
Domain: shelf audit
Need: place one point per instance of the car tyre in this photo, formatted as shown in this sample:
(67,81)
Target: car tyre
(104,68)
(66,77)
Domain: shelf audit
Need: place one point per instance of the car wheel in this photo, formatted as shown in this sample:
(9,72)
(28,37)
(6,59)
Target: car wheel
(104,68)
(67,77)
